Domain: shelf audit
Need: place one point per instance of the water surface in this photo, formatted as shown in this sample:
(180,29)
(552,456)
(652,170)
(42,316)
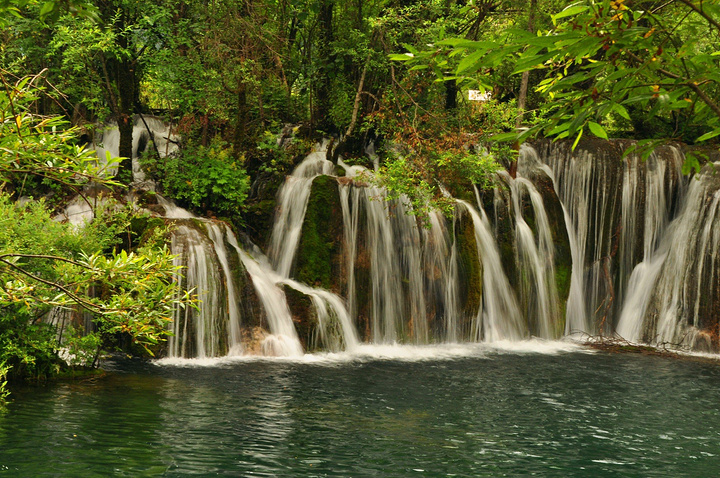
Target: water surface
(540,410)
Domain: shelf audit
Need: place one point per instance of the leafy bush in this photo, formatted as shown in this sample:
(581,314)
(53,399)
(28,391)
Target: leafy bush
(204,177)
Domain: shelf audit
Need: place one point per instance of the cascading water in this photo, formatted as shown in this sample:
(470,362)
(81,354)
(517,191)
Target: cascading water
(537,288)
(657,206)
(411,271)
(292,204)
(441,264)
(283,340)
(684,274)
(195,331)
(401,282)
(145,129)
(499,317)
(235,345)
(613,204)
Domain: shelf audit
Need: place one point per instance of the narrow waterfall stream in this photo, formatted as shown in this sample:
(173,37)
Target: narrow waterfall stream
(292,203)
(577,242)
(499,318)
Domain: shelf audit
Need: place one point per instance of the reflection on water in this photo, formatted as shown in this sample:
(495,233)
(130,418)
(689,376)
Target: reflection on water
(490,412)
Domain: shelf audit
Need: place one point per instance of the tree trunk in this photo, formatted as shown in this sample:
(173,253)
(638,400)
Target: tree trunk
(523,89)
(126,84)
(451,91)
(241,136)
(322,104)
(522,99)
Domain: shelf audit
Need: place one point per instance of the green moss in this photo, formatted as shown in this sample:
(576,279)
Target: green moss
(79,373)
(258,220)
(320,251)
(470,271)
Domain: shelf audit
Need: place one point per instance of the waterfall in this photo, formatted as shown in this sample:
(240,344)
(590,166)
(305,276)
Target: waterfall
(535,260)
(658,211)
(284,340)
(328,306)
(145,129)
(582,182)
(618,209)
(235,345)
(441,264)
(292,204)
(351,217)
(499,317)
(684,272)
(632,245)
(412,273)
(385,265)
(196,331)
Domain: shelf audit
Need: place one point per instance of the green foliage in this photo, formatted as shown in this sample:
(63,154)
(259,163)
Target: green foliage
(4,369)
(203,176)
(80,349)
(479,168)
(406,183)
(47,265)
(602,60)
(274,158)
(39,146)
(82,47)
(28,349)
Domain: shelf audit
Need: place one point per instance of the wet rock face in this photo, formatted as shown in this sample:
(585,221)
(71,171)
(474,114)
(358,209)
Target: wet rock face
(304,317)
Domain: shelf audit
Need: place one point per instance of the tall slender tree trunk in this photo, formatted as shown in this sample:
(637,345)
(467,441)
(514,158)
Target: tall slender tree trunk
(451,91)
(522,99)
(126,110)
(126,84)
(322,104)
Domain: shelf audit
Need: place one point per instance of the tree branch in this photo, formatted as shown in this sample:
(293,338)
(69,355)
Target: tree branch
(702,13)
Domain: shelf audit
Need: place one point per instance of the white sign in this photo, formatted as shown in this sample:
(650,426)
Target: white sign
(477,95)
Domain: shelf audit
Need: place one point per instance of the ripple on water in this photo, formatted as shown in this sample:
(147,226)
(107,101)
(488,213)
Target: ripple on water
(541,408)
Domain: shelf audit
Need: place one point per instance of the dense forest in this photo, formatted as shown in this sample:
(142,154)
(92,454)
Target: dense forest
(250,85)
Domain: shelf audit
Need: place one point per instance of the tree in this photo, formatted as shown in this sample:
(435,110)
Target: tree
(604,59)
(45,264)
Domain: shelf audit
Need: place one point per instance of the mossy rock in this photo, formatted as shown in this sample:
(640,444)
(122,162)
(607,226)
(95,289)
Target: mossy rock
(470,272)
(304,317)
(499,211)
(319,260)
(258,220)
(363,281)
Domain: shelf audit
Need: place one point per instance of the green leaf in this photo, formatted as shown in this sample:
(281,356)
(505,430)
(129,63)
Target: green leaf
(504,137)
(410,48)
(691,163)
(709,135)
(569,11)
(577,140)
(401,56)
(597,130)
(46,9)
(621,110)
(473,61)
